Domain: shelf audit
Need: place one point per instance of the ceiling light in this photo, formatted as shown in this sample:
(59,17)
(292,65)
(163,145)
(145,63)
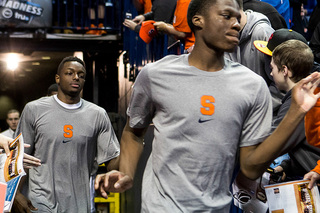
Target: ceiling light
(35,63)
(12,61)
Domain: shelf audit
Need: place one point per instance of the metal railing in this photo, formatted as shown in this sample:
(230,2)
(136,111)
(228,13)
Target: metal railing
(83,15)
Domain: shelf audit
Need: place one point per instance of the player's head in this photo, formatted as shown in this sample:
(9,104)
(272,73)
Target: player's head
(70,76)
(70,59)
(197,7)
(295,56)
(216,23)
(13,117)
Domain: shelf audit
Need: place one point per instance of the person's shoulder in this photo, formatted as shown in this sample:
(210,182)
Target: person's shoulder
(166,61)
(5,132)
(256,17)
(92,107)
(241,70)
(169,58)
(40,102)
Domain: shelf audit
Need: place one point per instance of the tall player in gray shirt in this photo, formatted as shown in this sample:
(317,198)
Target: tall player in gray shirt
(71,137)
(204,109)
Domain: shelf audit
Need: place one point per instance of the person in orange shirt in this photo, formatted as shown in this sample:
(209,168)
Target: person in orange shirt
(312,128)
(180,28)
(142,6)
(161,10)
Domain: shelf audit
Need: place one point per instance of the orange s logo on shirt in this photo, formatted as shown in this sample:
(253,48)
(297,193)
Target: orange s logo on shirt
(207,103)
(68,133)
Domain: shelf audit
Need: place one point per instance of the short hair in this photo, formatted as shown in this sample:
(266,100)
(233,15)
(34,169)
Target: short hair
(198,7)
(52,88)
(296,55)
(68,59)
(13,111)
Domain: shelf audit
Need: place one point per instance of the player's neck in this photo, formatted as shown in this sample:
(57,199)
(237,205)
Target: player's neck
(68,99)
(206,59)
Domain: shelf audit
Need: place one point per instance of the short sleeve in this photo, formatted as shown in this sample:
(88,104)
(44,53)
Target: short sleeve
(107,142)
(141,109)
(257,125)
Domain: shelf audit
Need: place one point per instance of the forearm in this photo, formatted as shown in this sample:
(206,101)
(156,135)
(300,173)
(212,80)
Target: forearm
(172,31)
(255,160)
(113,164)
(131,147)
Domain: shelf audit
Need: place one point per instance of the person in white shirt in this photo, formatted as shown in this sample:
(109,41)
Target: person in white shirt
(13,117)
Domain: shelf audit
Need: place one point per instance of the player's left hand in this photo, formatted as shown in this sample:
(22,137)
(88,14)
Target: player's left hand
(113,181)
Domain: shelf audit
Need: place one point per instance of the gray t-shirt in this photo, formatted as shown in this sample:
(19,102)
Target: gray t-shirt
(70,144)
(201,119)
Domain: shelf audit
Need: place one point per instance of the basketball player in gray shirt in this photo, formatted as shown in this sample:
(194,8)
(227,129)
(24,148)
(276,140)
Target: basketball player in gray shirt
(204,109)
(71,137)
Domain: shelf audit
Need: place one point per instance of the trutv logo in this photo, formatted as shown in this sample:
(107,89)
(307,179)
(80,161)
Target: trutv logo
(20,10)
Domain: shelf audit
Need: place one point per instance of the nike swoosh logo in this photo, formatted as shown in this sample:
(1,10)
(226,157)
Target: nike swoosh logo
(203,121)
(67,141)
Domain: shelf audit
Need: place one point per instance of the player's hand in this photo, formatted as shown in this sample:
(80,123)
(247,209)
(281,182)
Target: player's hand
(113,181)
(30,161)
(21,204)
(4,144)
(313,177)
(303,92)
(139,19)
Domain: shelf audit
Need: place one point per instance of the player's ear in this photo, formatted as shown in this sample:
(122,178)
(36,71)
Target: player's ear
(198,21)
(57,77)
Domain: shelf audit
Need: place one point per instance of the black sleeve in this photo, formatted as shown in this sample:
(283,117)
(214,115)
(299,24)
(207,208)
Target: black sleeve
(315,43)
(149,16)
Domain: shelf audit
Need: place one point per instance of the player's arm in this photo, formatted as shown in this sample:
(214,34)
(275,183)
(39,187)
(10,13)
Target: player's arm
(22,203)
(131,147)
(255,159)
(113,164)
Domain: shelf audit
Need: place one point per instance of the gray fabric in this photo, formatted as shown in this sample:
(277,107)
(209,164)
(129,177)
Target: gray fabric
(61,183)
(258,27)
(193,155)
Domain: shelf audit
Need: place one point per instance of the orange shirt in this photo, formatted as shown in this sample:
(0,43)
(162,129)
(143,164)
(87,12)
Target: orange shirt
(317,168)
(147,4)
(312,123)
(180,22)
(312,127)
